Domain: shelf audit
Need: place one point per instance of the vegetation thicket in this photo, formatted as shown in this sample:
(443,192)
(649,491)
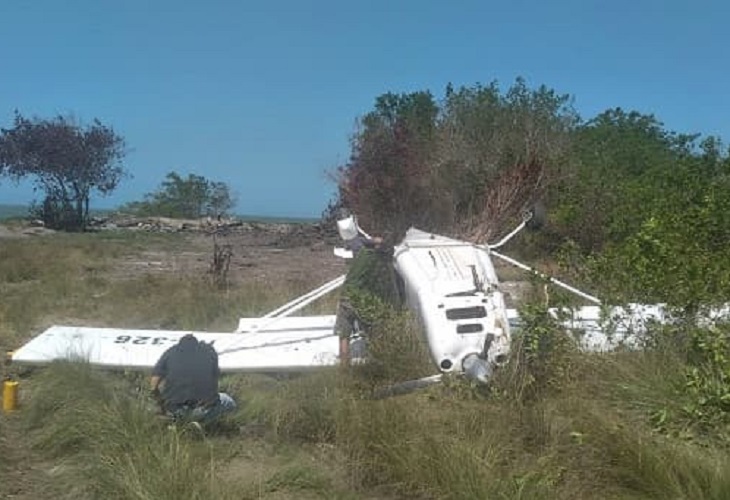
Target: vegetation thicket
(636,213)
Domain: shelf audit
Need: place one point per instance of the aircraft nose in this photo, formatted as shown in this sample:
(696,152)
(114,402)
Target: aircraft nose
(477,369)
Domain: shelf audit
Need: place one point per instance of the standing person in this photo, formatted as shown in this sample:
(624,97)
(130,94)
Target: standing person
(185,382)
(370,277)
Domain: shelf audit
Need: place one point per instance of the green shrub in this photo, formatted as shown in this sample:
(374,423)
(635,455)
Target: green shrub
(396,351)
(542,360)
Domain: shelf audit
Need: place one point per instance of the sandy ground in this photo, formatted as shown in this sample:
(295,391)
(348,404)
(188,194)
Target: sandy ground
(257,255)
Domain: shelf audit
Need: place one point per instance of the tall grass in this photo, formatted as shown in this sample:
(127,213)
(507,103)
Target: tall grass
(51,278)
(108,444)
(576,444)
(555,424)
(105,442)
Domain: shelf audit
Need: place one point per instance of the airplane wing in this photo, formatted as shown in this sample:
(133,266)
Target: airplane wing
(301,343)
(599,330)
(291,345)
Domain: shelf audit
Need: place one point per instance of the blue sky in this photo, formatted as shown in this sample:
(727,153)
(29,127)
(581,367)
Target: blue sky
(264,95)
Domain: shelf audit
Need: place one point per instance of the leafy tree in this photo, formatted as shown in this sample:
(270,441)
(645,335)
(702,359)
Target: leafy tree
(464,165)
(191,197)
(617,166)
(67,161)
(678,253)
(500,151)
(386,180)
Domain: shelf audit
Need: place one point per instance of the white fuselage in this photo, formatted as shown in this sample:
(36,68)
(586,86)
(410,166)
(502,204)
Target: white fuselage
(452,288)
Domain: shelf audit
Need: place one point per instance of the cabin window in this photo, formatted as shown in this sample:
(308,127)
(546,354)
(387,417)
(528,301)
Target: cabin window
(466,313)
(469,328)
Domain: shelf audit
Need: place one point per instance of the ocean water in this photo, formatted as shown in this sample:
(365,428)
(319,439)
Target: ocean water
(11,211)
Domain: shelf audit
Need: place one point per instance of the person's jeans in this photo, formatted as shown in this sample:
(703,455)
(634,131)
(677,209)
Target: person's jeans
(205,415)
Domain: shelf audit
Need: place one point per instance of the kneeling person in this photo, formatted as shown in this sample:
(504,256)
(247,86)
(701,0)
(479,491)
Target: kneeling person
(188,374)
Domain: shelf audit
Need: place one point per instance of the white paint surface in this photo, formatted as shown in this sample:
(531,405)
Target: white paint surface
(304,346)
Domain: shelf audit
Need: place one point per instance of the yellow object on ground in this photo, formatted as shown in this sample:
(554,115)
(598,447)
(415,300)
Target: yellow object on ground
(10,396)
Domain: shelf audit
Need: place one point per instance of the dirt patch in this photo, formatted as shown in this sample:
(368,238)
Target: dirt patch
(259,251)
(256,255)
(23,231)
(296,254)
(24,476)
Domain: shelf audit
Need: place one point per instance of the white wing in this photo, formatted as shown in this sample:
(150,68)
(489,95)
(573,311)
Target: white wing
(292,344)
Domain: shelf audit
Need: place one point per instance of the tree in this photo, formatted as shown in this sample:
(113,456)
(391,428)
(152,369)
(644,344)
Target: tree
(386,182)
(220,199)
(67,161)
(464,166)
(191,197)
(501,151)
(619,164)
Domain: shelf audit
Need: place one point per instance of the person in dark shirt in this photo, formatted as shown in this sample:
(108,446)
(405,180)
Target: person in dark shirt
(185,382)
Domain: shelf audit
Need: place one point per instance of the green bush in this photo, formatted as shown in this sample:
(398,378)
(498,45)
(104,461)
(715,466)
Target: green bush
(542,360)
(396,351)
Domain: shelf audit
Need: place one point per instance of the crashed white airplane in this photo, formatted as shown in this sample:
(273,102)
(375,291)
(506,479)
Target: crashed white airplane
(450,285)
